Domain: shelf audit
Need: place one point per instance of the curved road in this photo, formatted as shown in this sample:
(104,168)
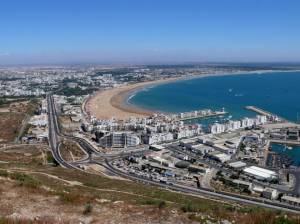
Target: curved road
(54,134)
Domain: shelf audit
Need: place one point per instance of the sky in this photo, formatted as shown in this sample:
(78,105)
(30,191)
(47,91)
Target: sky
(149,31)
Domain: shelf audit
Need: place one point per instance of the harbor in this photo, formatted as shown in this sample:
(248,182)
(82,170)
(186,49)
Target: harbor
(285,142)
(265,113)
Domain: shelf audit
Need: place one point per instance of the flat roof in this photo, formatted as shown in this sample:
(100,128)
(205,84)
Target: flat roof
(237,181)
(237,164)
(157,146)
(199,146)
(186,141)
(290,198)
(222,155)
(257,171)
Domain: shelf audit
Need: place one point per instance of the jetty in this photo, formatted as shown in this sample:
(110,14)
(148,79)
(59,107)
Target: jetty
(265,113)
(259,110)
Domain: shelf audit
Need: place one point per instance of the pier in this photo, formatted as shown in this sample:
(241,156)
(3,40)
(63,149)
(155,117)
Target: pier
(264,112)
(284,142)
(259,111)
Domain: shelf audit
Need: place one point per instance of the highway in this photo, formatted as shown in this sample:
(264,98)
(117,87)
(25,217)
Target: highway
(206,192)
(103,160)
(53,136)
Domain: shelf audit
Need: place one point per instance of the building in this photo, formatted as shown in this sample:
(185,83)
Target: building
(270,193)
(242,184)
(220,157)
(156,147)
(201,149)
(158,137)
(237,164)
(39,120)
(233,125)
(161,161)
(260,173)
(217,128)
(198,169)
(119,140)
(260,119)
(291,200)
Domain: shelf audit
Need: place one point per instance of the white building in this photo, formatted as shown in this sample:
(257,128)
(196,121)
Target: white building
(159,137)
(270,193)
(291,200)
(261,119)
(119,140)
(233,125)
(260,173)
(221,157)
(217,128)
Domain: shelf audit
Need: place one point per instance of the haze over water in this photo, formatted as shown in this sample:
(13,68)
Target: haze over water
(277,92)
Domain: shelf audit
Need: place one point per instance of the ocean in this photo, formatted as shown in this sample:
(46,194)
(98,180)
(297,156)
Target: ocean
(277,92)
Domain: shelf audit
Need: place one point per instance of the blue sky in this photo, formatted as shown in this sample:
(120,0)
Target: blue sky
(148,31)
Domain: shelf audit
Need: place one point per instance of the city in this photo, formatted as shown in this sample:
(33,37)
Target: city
(155,112)
(226,158)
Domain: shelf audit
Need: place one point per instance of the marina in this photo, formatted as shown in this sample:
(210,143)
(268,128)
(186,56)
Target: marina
(264,112)
(285,142)
(289,154)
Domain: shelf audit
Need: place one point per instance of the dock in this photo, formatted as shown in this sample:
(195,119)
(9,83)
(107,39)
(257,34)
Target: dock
(284,142)
(259,111)
(264,112)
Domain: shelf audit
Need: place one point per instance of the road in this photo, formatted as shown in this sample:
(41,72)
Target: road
(103,160)
(206,192)
(280,188)
(54,140)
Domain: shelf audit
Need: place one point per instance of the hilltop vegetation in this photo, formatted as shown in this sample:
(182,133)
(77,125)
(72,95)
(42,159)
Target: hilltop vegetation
(36,191)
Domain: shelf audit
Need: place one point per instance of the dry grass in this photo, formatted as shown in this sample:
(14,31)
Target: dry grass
(71,151)
(73,199)
(50,193)
(66,124)
(68,206)
(23,154)
(10,124)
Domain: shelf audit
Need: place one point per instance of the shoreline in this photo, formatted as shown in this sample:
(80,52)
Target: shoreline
(113,102)
(109,103)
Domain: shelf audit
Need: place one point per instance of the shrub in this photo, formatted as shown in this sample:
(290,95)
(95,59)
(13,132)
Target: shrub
(50,159)
(88,208)
(189,207)
(162,204)
(69,197)
(283,220)
(3,173)
(25,180)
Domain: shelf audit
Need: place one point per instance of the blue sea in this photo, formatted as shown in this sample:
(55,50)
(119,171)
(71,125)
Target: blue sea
(277,92)
(293,153)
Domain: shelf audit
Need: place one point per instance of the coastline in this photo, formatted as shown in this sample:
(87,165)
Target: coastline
(109,103)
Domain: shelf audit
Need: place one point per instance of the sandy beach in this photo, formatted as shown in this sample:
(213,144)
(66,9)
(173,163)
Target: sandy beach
(112,102)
